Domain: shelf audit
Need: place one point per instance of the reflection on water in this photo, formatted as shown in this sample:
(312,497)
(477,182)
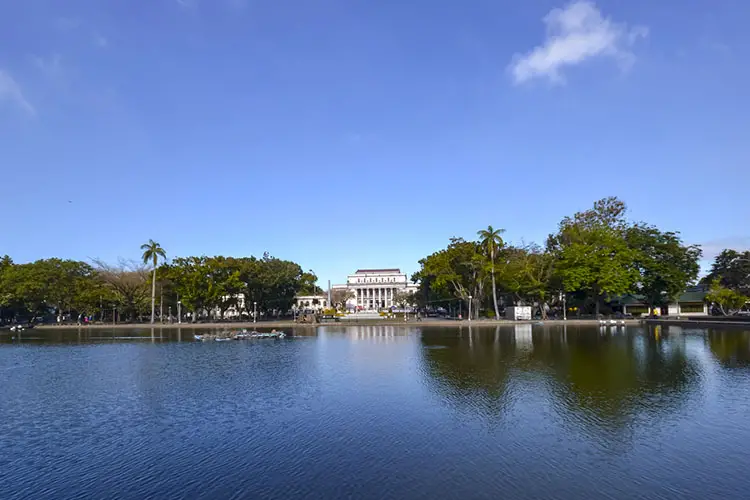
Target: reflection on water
(377,411)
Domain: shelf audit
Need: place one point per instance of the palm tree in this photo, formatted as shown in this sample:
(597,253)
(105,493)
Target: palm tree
(151,252)
(491,241)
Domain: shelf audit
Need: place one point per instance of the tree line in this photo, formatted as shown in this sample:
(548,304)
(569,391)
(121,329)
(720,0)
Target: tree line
(594,257)
(131,290)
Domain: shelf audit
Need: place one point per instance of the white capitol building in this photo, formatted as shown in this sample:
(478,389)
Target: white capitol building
(376,288)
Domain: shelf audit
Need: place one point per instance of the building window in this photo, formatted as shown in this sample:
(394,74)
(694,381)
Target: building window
(637,310)
(691,308)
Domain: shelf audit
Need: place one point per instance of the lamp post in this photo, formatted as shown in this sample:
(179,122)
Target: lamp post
(255,315)
(470,308)
(114,314)
(179,311)
(564,300)
(170,314)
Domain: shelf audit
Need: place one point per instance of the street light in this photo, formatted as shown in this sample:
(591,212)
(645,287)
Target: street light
(179,311)
(470,308)
(255,304)
(564,300)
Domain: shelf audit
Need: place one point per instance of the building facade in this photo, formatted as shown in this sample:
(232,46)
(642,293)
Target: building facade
(690,303)
(375,289)
(311,302)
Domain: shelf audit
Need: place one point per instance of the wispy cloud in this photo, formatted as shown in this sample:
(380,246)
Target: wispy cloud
(67,23)
(230,5)
(100,41)
(187,4)
(575,34)
(51,67)
(713,248)
(10,91)
(237,4)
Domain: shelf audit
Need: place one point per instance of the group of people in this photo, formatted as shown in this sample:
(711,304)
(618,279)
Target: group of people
(84,320)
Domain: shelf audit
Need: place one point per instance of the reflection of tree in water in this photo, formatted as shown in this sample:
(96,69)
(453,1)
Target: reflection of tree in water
(611,377)
(601,378)
(469,369)
(730,348)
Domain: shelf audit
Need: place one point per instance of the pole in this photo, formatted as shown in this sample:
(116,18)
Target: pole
(161,303)
(469,308)
(254,312)
(565,306)
(170,314)
(114,317)
(101,309)
(179,312)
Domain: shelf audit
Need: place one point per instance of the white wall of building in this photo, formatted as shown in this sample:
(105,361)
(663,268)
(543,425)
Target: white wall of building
(376,288)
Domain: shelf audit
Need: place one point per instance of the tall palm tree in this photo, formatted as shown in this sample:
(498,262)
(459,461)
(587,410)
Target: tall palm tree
(151,253)
(491,242)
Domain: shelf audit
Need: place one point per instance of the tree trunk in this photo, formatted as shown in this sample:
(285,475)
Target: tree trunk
(153,297)
(494,293)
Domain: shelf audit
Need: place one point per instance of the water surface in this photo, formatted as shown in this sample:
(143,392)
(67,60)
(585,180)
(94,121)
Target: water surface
(377,412)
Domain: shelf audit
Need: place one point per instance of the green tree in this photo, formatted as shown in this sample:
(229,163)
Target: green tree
(151,253)
(666,266)
(458,270)
(37,286)
(491,241)
(732,269)
(728,301)
(593,254)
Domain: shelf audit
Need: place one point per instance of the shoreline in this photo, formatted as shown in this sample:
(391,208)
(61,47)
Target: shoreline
(432,323)
(263,325)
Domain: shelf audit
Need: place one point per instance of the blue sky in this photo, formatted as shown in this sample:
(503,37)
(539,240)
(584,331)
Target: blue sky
(351,133)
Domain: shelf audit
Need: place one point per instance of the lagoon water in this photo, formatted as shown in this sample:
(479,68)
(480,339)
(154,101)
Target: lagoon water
(377,412)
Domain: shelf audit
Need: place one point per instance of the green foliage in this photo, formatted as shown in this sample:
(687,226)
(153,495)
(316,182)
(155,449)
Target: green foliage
(666,266)
(205,283)
(491,242)
(458,270)
(151,253)
(732,269)
(35,288)
(728,301)
(593,254)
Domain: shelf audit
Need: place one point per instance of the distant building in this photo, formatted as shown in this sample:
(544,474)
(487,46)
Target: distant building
(311,302)
(690,303)
(376,288)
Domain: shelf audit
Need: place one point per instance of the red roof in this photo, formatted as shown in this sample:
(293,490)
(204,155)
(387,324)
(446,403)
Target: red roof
(373,271)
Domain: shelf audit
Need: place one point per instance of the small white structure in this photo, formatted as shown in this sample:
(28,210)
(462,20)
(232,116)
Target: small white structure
(517,313)
(311,302)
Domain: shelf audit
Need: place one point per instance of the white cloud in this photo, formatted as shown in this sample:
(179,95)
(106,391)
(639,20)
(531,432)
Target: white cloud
(575,34)
(10,91)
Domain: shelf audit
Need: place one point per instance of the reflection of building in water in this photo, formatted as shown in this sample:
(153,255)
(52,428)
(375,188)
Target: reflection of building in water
(380,333)
(523,336)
